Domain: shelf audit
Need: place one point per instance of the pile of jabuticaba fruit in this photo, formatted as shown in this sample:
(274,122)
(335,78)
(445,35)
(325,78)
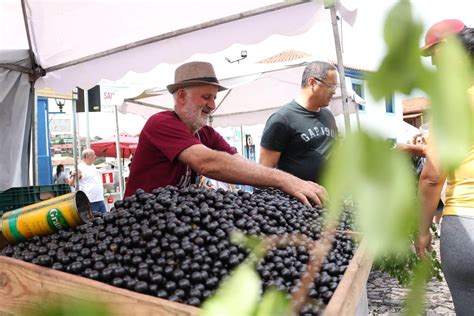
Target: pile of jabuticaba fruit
(175,244)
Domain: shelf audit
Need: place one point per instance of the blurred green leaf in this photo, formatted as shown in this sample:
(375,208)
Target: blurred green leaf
(381,183)
(415,301)
(238,295)
(452,115)
(71,308)
(252,243)
(401,69)
(329,3)
(274,303)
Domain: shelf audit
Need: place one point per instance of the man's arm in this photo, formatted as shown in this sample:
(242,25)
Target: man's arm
(231,169)
(73,176)
(268,157)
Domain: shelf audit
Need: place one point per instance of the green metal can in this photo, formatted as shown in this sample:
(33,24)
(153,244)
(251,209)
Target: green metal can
(46,217)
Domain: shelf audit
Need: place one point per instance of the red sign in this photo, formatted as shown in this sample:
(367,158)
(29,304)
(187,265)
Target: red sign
(107,177)
(110,199)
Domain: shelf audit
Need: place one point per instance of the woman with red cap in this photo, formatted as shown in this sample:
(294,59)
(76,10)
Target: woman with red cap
(457,228)
(437,33)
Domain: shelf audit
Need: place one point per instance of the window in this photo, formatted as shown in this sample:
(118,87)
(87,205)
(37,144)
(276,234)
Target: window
(358,87)
(389,107)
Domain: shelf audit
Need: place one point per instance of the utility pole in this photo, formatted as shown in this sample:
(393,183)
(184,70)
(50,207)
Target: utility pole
(74,137)
(331,5)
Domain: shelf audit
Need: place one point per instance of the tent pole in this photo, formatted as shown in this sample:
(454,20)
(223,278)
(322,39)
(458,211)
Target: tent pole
(357,116)
(74,136)
(242,139)
(223,99)
(21,69)
(34,138)
(28,33)
(117,150)
(340,67)
(86,112)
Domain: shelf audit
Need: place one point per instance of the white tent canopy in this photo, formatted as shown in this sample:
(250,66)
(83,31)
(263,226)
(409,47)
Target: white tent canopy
(78,43)
(253,95)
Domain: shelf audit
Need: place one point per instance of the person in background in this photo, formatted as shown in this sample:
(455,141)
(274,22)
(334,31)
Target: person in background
(130,160)
(60,177)
(457,227)
(177,147)
(90,182)
(215,185)
(127,171)
(298,138)
(416,149)
(418,161)
(419,141)
(437,33)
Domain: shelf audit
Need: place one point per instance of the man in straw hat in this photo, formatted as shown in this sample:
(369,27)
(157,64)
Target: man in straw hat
(176,147)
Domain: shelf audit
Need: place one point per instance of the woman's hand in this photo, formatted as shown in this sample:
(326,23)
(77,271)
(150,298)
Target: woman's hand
(423,243)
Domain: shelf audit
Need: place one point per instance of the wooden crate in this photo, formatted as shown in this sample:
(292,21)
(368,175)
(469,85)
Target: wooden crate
(23,286)
(349,292)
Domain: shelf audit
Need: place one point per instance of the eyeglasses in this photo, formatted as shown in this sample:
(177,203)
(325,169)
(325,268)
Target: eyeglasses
(330,86)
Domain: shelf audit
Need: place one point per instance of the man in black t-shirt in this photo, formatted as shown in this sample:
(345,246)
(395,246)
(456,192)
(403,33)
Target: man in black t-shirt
(298,137)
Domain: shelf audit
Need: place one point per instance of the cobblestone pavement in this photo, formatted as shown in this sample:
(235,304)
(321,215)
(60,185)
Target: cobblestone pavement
(386,296)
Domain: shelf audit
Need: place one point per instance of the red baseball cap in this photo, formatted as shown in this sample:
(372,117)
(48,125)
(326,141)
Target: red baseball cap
(439,31)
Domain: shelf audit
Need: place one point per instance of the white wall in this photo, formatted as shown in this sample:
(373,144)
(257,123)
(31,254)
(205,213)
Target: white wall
(376,119)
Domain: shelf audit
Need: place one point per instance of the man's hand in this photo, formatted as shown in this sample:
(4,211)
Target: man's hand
(423,243)
(305,191)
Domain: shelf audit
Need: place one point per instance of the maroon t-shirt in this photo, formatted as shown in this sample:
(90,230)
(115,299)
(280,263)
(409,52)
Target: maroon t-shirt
(155,163)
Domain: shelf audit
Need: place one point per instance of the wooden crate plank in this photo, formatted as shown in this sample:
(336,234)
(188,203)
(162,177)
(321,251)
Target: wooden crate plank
(24,285)
(348,292)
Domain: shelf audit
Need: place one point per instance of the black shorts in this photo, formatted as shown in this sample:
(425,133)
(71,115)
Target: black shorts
(439,208)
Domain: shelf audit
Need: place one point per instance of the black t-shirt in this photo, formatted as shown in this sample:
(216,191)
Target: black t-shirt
(304,139)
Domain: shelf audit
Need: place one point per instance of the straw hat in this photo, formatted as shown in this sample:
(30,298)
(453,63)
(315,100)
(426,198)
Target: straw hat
(195,73)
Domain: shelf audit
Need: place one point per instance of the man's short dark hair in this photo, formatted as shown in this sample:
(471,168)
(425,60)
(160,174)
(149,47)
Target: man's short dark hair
(316,69)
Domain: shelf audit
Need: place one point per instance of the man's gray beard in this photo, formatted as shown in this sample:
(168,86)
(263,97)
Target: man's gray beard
(206,122)
(197,126)
(196,123)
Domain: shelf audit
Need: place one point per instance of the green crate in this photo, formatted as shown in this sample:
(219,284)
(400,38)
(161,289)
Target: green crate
(14,198)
